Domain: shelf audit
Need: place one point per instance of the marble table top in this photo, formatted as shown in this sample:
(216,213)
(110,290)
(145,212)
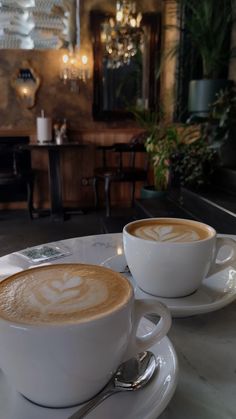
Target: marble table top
(205,344)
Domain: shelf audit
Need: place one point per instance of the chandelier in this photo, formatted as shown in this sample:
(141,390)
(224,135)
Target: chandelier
(74,68)
(123,35)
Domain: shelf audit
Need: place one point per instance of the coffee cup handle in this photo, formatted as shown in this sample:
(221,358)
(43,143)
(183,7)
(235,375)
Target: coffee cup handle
(219,265)
(144,342)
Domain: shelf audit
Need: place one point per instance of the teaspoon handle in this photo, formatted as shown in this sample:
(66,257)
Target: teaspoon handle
(83,411)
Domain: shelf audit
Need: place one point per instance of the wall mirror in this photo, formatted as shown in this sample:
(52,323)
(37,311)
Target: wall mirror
(34,24)
(116,90)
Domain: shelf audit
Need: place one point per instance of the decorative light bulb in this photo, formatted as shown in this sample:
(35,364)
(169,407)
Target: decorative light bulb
(133,22)
(112,22)
(139,18)
(119,16)
(103,37)
(84,59)
(65,59)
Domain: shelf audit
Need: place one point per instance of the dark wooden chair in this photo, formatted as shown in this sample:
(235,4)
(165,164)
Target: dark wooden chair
(16,174)
(121,171)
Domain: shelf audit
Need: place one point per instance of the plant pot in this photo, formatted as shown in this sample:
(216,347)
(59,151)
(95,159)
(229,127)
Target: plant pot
(202,93)
(149,192)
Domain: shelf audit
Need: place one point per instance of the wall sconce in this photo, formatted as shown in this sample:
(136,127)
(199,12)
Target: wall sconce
(74,68)
(26,82)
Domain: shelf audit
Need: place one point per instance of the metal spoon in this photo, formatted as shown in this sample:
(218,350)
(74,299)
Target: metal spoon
(131,375)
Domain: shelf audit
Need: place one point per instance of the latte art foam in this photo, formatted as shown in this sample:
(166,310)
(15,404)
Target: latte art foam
(164,232)
(62,294)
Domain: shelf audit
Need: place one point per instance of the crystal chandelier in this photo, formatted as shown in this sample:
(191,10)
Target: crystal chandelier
(123,35)
(74,68)
(75,64)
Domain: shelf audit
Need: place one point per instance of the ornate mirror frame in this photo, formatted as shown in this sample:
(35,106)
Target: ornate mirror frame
(153,22)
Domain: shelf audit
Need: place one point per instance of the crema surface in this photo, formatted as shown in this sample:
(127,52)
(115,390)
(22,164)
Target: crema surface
(62,294)
(176,233)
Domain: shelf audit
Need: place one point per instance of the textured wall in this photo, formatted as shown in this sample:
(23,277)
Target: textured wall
(58,102)
(55,98)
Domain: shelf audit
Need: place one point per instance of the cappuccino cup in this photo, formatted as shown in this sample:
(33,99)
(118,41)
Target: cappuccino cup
(169,257)
(66,328)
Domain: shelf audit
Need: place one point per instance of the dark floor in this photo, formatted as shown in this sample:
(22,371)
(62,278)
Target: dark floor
(17,231)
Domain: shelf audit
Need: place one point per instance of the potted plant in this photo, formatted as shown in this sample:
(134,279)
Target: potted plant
(193,164)
(160,145)
(220,127)
(161,141)
(206,28)
(179,154)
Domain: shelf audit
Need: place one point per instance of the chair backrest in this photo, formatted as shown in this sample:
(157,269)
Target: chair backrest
(12,159)
(105,149)
(134,147)
(120,155)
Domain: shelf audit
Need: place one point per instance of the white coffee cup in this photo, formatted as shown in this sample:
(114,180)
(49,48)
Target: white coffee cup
(169,257)
(68,361)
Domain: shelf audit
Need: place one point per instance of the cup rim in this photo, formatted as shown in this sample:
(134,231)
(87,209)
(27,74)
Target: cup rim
(199,223)
(66,325)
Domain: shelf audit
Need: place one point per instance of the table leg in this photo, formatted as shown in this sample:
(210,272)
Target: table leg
(57,212)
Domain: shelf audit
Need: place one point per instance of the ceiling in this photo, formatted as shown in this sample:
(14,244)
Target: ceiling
(38,24)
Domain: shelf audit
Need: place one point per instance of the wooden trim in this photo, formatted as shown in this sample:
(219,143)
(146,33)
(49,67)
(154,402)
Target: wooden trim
(13,132)
(10,132)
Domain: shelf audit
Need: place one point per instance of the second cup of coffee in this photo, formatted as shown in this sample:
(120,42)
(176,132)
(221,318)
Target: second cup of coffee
(169,257)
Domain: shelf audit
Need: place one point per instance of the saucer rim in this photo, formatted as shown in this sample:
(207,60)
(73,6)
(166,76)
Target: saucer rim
(182,311)
(153,411)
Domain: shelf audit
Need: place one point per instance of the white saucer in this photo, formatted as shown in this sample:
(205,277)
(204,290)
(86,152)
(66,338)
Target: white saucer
(147,403)
(216,291)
